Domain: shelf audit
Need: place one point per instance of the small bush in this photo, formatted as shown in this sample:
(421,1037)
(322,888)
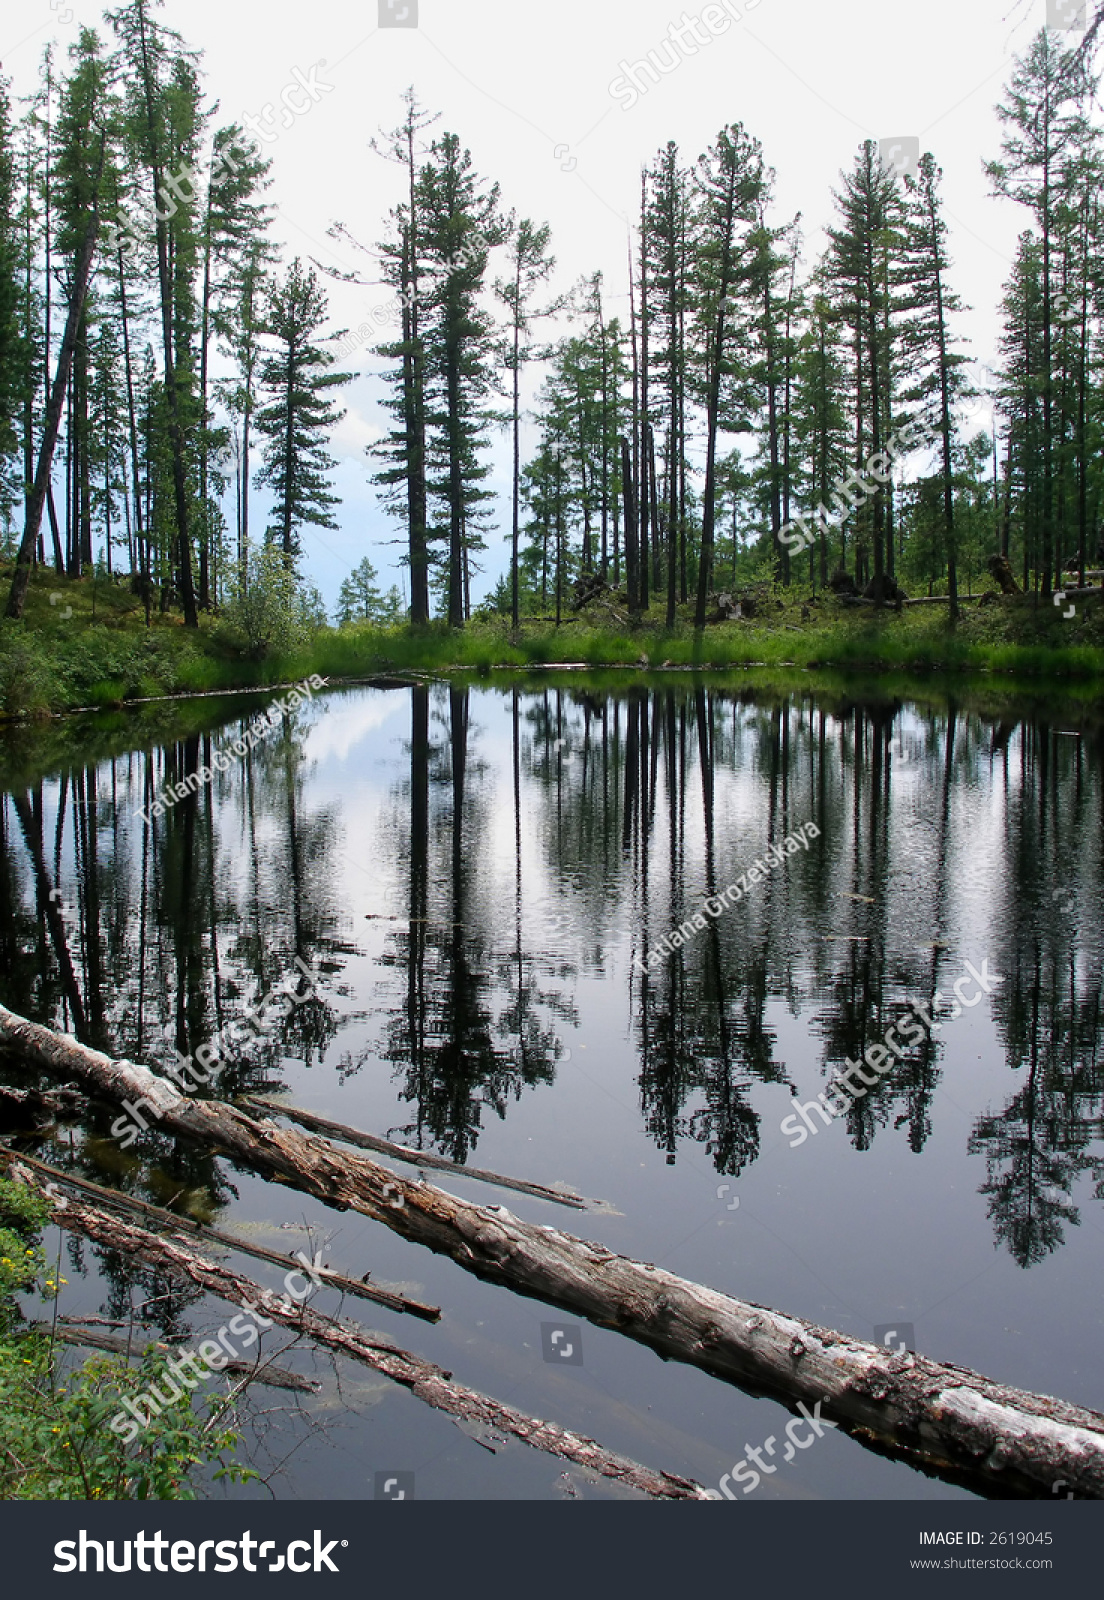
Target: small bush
(56,1439)
(270,611)
(27,682)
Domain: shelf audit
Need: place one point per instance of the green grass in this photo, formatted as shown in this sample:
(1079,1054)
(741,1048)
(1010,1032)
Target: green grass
(87,645)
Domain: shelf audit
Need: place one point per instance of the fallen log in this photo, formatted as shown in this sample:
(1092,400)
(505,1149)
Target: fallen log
(415,1158)
(202,1230)
(91,1339)
(946,1420)
(427,1381)
(41,1106)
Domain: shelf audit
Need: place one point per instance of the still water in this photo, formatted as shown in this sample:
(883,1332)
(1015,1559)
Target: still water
(478,874)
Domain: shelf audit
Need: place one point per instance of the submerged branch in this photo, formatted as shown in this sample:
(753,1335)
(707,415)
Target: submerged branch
(92,1339)
(946,1420)
(415,1158)
(424,1379)
(203,1231)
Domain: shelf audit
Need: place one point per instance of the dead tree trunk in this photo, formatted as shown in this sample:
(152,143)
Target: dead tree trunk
(205,1234)
(946,1420)
(423,1378)
(401,1152)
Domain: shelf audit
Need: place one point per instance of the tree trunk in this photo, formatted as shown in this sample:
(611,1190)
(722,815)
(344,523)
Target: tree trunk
(946,1420)
(82,277)
(424,1379)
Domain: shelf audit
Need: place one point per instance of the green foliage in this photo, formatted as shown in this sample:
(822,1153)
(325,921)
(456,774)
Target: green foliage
(56,1439)
(27,685)
(360,600)
(270,610)
(296,382)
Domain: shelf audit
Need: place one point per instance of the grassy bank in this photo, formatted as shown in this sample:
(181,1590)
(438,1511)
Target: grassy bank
(87,645)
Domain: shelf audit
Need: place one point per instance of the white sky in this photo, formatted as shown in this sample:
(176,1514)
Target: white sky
(518,82)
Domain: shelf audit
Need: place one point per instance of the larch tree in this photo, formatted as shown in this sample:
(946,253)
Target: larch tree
(404,472)
(729,181)
(83,137)
(460,223)
(870,210)
(297,383)
(1045,124)
(928,303)
(530,267)
(232,241)
(164,124)
(14,351)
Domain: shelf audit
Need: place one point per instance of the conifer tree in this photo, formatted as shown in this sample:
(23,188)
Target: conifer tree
(460,223)
(1045,124)
(530,268)
(730,181)
(296,381)
(928,303)
(870,209)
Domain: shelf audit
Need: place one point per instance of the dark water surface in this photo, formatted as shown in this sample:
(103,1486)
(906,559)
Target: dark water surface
(474,872)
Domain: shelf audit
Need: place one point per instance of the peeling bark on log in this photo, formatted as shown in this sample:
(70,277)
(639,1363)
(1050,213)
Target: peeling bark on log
(946,1420)
(203,1231)
(414,1158)
(428,1382)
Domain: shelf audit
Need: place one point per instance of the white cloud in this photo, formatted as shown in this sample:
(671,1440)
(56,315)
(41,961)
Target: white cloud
(337,734)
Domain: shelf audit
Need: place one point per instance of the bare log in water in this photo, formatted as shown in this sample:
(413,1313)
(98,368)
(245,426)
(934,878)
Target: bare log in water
(423,1378)
(92,1339)
(203,1231)
(946,1420)
(401,1152)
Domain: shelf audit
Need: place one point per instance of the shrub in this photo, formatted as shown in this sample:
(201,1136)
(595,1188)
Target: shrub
(56,1440)
(27,677)
(270,610)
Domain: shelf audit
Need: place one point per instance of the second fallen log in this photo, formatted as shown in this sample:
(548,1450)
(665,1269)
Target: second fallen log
(946,1420)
